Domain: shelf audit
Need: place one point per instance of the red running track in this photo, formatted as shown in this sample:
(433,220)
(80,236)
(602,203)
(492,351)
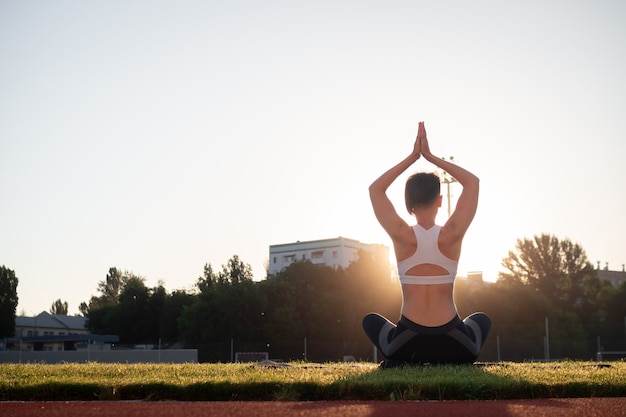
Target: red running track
(550,407)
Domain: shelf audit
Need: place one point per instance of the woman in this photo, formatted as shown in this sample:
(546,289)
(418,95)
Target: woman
(430,329)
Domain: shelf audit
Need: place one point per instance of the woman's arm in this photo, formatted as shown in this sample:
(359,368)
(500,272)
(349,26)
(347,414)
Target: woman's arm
(467,203)
(384,210)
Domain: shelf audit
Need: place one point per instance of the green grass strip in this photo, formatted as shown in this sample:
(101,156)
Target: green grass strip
(308,382)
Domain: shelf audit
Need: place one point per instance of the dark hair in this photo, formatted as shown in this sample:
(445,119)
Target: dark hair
(422,189)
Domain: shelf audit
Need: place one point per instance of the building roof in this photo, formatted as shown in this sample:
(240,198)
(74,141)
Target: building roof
(614,277)
(319,244)
(102,338)
(45,320)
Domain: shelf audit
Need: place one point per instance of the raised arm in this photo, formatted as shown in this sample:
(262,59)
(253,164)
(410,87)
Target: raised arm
(384,210)
(467,203)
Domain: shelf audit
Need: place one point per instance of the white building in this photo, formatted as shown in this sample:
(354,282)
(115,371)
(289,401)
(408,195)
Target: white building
(616,278)
(338,252)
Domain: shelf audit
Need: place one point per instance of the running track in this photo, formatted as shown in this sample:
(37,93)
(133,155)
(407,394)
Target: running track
(551,407)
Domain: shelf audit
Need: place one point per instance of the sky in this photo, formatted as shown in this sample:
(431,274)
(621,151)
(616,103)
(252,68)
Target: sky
(157,136)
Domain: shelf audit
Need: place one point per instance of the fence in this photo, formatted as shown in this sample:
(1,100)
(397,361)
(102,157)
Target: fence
(104,356)
(287,350)
(551,339)
(545,339)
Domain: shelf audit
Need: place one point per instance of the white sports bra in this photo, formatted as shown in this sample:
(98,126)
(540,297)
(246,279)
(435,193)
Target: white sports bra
(427,253)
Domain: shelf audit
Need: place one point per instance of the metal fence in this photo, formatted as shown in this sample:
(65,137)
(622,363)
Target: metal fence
(104,356)
(542,340)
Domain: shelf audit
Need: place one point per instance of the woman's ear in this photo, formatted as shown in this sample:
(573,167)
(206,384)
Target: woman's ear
(440,200)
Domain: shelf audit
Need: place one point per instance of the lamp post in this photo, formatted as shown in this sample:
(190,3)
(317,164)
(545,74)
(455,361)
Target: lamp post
(448,179)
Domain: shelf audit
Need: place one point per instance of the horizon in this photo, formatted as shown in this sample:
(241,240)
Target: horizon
(191,288)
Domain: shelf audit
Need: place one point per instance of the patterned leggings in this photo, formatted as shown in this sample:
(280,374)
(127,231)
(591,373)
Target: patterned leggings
(456,342)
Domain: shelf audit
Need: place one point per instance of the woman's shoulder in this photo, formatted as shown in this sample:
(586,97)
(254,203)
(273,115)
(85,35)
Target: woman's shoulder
(405,244)
(449,241)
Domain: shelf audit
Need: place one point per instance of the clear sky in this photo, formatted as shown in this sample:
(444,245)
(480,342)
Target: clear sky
(157,136)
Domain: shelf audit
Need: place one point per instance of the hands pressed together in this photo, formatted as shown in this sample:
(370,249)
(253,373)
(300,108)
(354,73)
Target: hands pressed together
(421,142)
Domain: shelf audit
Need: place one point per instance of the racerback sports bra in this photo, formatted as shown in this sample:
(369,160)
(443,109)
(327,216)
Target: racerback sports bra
(427,253)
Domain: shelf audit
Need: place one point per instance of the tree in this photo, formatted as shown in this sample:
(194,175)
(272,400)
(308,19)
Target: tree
(518,313)
(370,286)
(135,325)
(113,284)
(84,309)
(235,271)
(8,301)
(103,312)
(317,300)
(59,307)
(134,312)
(228,306)
(208,278)
(615,306)
(612,316)
(110,289)
(174,304)
(559,269)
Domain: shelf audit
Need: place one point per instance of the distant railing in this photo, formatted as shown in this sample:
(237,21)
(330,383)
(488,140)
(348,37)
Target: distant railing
(103,356)
(601,354)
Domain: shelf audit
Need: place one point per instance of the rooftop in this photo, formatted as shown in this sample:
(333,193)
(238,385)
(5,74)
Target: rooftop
(52,321)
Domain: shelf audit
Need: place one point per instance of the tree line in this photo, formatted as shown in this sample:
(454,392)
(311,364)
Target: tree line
(316,302)
(543,277)
(547,278)
(311,311)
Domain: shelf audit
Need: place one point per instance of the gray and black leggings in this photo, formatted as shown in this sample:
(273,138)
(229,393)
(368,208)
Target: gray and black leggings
(456,342)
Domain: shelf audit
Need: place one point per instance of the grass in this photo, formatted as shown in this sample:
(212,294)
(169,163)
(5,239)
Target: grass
(308,382)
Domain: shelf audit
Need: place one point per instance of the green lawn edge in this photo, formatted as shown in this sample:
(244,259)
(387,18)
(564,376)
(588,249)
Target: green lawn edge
(309,382)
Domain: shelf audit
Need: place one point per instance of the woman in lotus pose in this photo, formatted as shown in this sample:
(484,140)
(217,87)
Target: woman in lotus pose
(430,329)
